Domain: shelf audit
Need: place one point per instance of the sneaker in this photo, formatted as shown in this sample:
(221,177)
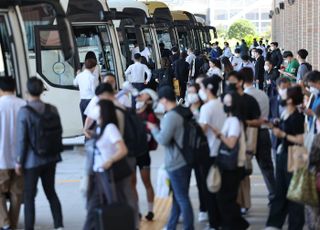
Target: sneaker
(181,101)
(244,211)
(203,217)
(180,219)
(150,216)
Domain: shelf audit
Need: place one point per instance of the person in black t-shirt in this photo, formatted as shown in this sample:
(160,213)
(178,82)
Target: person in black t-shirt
(290,133)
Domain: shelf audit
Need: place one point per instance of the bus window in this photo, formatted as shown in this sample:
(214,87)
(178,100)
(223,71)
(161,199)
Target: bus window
(6,67)
(164,36)
(150,44)
(44,42)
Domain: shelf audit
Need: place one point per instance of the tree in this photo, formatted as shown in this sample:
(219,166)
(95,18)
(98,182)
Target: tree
(240,29)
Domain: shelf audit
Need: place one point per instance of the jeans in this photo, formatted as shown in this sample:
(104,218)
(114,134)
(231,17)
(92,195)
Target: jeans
(280,205)
(180,181)
(47,175)
(231,218)
(264,159)
(83,105)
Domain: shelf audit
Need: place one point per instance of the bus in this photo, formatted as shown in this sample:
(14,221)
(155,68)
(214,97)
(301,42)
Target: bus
(131,18)
(208,33)
(22,35)
(92,31)
(163,21)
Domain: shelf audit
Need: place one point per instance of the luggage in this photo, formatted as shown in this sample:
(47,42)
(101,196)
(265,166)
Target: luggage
(112,215)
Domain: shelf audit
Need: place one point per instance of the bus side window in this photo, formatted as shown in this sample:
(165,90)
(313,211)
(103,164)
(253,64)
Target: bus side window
(6,67)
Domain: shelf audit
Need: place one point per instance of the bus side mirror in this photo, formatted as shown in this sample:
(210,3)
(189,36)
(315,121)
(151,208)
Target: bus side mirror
(66,37)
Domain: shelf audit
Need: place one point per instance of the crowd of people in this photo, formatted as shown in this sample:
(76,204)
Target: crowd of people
(256,102)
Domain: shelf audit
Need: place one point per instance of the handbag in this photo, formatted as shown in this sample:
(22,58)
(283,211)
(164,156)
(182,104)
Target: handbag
(214,179)
(302,188)
(176,86)
(227,158)
(297,157)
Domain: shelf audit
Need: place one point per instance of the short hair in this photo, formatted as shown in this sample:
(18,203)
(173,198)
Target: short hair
(237,50)
(90,63)
(104,88)
(313,76)
(245,57)
(212,84)
(168,93)
(7,84)
(259,51)
(111,75)
(191,49)
(197,52)
(303,53)
(295,93)
(35,86)
(276,44)
(175,49)
(217,43)
(90,55)
(137,56)
(287,54)
(216,62)
(283,80)
(183,54)
(236,75)
(226,43)
(161,45)
(247,74)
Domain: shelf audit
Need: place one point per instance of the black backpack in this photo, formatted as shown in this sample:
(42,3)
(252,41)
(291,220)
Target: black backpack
(308,65)
(195,143)
(135,135)
(47,129)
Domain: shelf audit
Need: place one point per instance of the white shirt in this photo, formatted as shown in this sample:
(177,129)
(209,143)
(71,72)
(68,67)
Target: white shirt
(135,73)
(146,53)
(214,70)
(9,108)
(226,52)
(106,146)
(231,127)
(87,84)
(191,57)
(249,65)
(236,63)
(262,100)
(212,113)
(134,51)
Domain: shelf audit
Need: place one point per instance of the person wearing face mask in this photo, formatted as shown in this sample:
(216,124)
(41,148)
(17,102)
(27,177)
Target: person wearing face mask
(230,136)
(236,60)
(292,66)
(111,79)
(275,55)
(289,132)
(313,213)
(171,130)
(226,51)
(270,76)
(259,67)
(146,102)
(251,116)
(246,62)
(193,99)
(215,68)
(211,115)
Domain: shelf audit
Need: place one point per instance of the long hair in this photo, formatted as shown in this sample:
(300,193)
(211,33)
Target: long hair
(235,105)
(107,114)
(227,65)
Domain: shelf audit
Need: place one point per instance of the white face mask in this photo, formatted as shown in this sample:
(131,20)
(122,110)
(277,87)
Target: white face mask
(314,91)
(192,98)
(283,93)
(237,55)
(266,68)
(160,108)
(203,95)
(286,61)
(140,104)
(272,48)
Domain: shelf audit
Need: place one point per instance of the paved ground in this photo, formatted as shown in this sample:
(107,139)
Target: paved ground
(69,174)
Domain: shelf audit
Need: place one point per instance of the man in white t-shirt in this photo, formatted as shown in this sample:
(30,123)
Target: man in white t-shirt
(135,50)
(211,115)
(10,183)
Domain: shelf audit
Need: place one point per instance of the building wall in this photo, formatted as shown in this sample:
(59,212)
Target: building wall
(297,27)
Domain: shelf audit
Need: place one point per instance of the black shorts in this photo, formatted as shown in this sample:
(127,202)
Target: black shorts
(144,161)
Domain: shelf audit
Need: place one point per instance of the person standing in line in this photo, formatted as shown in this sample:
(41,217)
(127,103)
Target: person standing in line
(10,182)
(304,67)
(87,84)
(193,100)
(191,56)
(30,163)
(226,51)
(175,54)
(111,150)
(215,68)
(230,136)
(236,60)
(259,68)
(135,73)
(292,66)
(244,50)
(171,130)
(275,56)
(263,151)
(246,62)
(181,73)
(211,115)
(270,76)
(289,133)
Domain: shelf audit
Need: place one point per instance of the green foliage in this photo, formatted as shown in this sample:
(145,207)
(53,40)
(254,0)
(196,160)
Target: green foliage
(240,29)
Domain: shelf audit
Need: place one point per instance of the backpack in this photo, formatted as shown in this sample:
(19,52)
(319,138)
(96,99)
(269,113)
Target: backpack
(195,144)
(135,135)
(47,129)
(308,65)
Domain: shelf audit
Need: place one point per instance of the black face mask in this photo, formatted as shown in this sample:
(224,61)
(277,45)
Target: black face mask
(231,87)
(227,109)
(283,103)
